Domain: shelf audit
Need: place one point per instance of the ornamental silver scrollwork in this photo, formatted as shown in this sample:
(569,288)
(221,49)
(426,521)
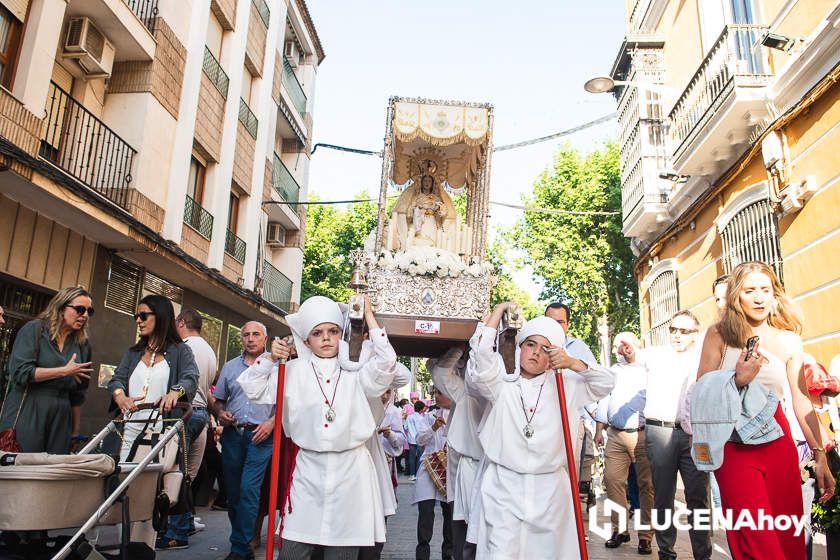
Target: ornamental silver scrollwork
(398,293)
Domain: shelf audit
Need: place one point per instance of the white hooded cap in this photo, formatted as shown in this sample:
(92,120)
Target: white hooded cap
(543,326)
(313,312)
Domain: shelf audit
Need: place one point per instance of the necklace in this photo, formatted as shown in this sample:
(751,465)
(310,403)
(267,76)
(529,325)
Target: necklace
(149,368)
(529,430)
(330,414)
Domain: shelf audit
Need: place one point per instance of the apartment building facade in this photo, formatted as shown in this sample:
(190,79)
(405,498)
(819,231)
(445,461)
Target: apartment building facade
(154,147)
(729,126)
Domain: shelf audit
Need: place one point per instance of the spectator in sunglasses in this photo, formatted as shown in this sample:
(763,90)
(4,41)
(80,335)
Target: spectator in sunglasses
(48,374)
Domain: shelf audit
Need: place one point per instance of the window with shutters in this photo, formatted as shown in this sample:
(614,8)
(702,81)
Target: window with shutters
(663,302)
(123,289)
(153,284)
(10,31)
(752,235)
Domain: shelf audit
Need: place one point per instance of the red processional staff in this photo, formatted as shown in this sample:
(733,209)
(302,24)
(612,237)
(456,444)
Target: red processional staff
(570,461)
(275,459)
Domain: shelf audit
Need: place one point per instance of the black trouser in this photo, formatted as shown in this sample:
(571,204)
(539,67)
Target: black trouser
(372,552)
(425,528)
(293,550)
(463,550)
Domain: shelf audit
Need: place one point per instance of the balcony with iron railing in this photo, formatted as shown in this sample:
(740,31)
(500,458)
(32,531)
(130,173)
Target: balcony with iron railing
(293,87)
(214,71)
(83,146)
(248,118)
(145,10)
(277,288)
(235,247)
(723,100)
(283,181)
(263,10)
(198,218)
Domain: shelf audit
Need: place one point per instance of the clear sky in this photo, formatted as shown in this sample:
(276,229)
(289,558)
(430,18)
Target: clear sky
(529,59)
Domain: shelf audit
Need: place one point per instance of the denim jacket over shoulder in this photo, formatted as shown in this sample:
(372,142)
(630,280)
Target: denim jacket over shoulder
(183,370)
(720,412)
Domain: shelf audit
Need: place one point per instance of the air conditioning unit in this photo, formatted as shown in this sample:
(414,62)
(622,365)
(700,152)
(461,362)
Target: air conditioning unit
(89,48)
(276,235)
(292,52)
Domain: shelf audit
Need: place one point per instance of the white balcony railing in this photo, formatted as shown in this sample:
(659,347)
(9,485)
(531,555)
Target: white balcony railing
(735,60)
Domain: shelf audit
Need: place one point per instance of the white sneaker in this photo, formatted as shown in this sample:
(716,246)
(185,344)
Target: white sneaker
(412,478)
(199,526)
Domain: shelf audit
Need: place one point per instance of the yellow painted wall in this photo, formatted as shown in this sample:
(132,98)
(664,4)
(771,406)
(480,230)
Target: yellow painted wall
(680,24)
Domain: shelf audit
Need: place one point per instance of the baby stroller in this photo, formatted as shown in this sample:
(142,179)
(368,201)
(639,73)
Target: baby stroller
(43,492)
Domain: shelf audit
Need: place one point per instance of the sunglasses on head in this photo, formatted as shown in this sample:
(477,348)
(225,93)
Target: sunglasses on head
(81,310)
(675,330)
(143,315)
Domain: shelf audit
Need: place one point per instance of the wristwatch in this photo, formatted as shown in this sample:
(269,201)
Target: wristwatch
(178,389)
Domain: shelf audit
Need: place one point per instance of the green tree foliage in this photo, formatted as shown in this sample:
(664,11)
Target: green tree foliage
(331,233)
(505,288)
(583,260)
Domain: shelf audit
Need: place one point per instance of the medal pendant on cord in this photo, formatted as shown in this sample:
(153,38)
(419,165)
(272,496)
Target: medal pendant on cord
(330,415)
(528,431)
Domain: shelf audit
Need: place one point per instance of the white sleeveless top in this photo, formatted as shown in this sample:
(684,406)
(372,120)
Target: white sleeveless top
(773,374)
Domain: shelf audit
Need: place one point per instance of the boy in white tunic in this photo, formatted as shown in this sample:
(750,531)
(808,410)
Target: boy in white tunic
(432,436)
(334,499)
(526,508)
(464,448)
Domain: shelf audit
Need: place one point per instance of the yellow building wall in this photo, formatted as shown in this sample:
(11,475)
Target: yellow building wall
(680,24)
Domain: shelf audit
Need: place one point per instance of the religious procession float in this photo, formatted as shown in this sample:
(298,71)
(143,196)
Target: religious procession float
(424,263)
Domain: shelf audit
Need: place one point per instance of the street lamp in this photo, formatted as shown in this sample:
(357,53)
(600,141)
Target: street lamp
(605,84)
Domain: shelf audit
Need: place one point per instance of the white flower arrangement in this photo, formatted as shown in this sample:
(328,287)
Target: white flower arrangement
(431,261)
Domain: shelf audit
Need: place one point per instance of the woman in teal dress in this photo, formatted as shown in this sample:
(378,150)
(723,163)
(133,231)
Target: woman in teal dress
(47,375)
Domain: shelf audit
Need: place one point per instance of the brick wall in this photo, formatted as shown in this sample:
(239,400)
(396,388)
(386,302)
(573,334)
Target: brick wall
(255,47)
(18,125)
(142,208)
(278,78)
(163,76)
(225,12)
(243,158)
(232,269)
(208,122)
(194,245)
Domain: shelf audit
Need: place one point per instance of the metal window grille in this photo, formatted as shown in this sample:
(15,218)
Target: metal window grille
(235,247)
(284,182)
(262,9)
(123,288)
(752,235)
(248,118)
(215,72)
(663,303)
(292,85)
(154,284)
(277,287)
(145,10)
(198,218)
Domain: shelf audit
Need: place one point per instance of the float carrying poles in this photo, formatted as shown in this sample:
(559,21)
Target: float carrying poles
(570,461)
(275,460)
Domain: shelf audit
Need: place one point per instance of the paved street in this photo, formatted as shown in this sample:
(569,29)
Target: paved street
(212,543)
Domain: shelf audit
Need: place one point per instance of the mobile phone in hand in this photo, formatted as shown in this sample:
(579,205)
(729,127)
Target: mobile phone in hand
(751,344)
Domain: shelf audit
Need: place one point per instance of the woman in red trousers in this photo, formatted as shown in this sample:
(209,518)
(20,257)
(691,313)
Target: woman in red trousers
(765,476)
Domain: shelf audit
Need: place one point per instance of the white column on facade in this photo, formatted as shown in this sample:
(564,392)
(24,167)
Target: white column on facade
(179,170)
(263,105)
(233,61)
(37,53)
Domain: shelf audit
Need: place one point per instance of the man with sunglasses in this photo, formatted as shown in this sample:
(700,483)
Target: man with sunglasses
(671,370)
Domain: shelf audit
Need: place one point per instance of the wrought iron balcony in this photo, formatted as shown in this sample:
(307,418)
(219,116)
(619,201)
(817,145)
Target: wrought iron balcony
(198,218)
(292,85)
(262,9)
(735,61)
(248,118)
(215,72)
(277,288)
(283,181)
(145,10)
(83,146)
(235,247)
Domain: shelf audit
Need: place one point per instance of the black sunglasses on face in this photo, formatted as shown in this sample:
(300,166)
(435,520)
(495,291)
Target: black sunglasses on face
(143,315)
(81,310)
(675,330)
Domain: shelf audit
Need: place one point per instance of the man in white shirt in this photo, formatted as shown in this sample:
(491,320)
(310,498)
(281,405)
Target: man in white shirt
(188,324)
(577,348)
(412,426)
(621,413)
(671,370)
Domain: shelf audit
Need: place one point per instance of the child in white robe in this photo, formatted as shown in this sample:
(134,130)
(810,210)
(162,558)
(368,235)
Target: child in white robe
(334,499)
(525,506)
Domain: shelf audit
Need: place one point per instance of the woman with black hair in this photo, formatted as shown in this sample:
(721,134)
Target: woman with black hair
(159,369)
